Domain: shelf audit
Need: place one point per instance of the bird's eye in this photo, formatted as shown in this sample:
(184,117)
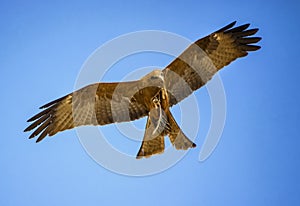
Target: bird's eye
(154,77)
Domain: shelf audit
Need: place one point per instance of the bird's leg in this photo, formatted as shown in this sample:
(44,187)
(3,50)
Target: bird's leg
(160,123)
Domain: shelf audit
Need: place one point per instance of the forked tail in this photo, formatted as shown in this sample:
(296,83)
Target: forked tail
(153,142)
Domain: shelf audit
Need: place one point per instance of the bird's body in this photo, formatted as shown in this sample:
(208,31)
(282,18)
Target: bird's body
(152,95)
(161,123)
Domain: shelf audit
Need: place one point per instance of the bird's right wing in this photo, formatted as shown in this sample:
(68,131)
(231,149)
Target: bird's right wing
(95,104)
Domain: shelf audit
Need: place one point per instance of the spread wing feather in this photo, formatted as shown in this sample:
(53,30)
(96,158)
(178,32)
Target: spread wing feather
(201,60)
(96,104)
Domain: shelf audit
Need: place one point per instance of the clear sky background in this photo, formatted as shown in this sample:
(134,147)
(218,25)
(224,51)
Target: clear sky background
(43,46)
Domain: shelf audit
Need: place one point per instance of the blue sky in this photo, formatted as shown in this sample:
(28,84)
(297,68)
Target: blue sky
(44,45)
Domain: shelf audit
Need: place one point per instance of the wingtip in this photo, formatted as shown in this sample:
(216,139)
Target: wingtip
(52,102)
(245,26)
(233,23)
(26,130)
(257,39)
(252,31)
(44,106)
(250,48)
(41,137)
(31,119)
(256,48)
(31,136)
(226,27)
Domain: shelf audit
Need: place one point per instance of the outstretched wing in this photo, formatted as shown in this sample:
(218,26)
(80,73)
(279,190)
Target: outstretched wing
(201,60)
(96,104)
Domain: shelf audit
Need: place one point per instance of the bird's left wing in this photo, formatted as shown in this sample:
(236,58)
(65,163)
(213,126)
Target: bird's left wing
(205,57)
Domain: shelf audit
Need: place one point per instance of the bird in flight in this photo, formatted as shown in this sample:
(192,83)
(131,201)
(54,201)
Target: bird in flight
(151,96)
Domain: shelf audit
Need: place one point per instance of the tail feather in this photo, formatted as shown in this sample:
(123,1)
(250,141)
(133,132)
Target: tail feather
(176,135)
(151,147)
(152,143)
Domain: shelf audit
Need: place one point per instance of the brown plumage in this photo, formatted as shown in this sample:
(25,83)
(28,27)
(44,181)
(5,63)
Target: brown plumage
(152,95)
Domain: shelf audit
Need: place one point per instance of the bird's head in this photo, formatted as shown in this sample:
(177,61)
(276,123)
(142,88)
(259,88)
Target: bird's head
(154,78)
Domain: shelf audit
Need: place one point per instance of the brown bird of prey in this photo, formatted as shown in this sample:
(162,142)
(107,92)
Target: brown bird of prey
(152,95)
